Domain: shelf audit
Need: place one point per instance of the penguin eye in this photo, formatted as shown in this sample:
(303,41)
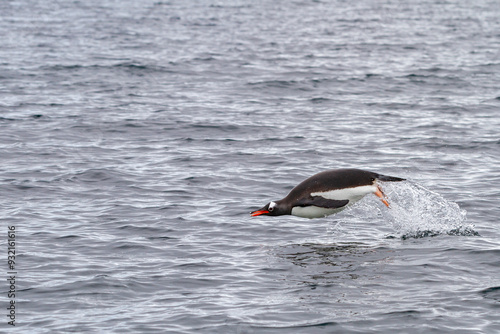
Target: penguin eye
(271,209)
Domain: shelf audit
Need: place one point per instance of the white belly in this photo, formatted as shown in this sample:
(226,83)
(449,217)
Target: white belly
(314,211)
(351,194)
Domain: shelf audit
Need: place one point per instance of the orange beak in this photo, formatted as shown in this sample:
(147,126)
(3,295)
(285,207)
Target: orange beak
(258,213)
(382,196)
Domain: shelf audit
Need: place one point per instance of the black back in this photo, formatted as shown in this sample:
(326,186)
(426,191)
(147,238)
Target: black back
(331,180)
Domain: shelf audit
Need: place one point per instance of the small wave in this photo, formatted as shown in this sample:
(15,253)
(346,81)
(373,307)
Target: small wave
(319,100)
(273,83)
(128,67)
(94,175)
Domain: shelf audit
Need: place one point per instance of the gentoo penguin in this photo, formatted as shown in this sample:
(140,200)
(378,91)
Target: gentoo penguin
(327,193)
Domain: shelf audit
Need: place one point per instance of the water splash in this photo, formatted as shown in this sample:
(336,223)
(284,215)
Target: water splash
(417,212)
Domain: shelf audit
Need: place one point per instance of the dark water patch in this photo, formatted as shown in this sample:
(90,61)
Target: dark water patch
(394,106)
(27,186)
(421,234)
(129,246)
(161,238)
(466,231)
(125,67)
(7,119)
(226,140)
(280,84)
(43,233)
(197,265)
(406,314)
(221,127)
(171,207)
(195,180)
(96,175)
(279,139)
(69,237)
(320,100)
(491,293)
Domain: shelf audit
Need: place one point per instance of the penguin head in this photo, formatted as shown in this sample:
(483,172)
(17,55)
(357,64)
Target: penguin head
(271,209)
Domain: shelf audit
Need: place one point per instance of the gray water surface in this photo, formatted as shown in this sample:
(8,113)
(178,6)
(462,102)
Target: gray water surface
(136,137)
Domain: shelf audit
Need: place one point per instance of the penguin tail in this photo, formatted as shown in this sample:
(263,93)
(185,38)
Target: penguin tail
(389,178)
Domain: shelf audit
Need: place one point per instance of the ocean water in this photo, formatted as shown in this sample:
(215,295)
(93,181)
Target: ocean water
(136,137)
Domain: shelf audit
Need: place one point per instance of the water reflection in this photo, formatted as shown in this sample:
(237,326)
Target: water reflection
(326,264)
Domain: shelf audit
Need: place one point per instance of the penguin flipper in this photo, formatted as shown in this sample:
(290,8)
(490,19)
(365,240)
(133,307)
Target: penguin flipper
(322,202)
